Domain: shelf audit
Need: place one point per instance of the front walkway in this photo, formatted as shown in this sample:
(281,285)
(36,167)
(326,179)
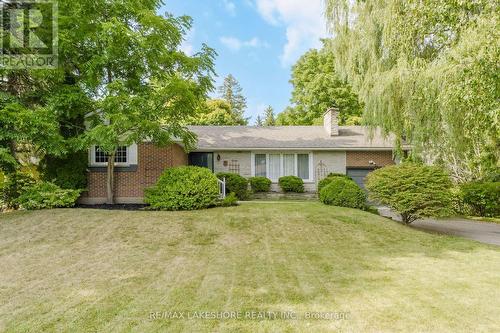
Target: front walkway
(483,232)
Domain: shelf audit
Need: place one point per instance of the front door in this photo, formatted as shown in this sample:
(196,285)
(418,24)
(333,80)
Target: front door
(204,160)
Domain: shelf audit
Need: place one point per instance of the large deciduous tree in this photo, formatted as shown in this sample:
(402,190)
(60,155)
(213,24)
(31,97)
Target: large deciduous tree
(142,85)
(427,71)
(120,71)
(27,125)
(317,87)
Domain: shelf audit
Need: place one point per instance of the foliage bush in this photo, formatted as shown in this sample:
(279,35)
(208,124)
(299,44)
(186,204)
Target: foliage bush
(45,195)
(13,186)
(458,206)
(68,172)
(229,200)
(492,177)
(343,192)
(482,197)
(235,184)
(291,184)
(413,190)
(338,174)
(183,188)
(325,181)
(260,184)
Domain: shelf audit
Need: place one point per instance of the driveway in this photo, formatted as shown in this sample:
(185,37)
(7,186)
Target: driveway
(488,233)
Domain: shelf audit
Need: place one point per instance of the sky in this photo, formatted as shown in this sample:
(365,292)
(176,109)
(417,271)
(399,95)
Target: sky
(257,41)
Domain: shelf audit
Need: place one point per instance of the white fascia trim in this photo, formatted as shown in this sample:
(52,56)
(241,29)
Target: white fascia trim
(204,149)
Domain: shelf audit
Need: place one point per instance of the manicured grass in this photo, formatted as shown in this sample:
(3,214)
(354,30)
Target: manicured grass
(78,270)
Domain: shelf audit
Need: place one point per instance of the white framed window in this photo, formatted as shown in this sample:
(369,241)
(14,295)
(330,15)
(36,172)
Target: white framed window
(124,156)
(103,157)
(260,166)
(274,165)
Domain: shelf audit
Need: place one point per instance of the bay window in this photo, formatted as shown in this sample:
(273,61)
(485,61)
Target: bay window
(276,165)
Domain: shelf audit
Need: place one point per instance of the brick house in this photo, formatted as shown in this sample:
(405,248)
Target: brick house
(309,152)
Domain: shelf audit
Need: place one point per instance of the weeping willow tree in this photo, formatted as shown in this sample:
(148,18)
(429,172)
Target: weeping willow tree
(427,71)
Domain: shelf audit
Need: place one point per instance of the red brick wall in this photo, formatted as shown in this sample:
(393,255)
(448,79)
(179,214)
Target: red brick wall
(362,158)
(151,161)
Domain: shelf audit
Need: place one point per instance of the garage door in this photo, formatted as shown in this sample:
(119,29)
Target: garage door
(359,175)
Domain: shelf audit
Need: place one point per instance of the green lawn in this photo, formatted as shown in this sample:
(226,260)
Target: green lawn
(78,270)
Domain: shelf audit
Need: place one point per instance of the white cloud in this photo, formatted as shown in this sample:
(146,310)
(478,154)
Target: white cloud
(187,48)
(304,22)
(187,44)
(236,44)
(255,109)
(230,7)
(231,43)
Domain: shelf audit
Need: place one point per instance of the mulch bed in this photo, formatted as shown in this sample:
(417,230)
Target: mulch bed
(114,207)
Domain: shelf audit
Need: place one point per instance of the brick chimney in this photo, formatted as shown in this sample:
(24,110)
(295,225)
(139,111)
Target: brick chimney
(331,121)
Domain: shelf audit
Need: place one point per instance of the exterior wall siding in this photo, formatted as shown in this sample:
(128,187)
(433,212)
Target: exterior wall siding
(131,182)
(361,159)
(230,160)
(333,161)
(152,161)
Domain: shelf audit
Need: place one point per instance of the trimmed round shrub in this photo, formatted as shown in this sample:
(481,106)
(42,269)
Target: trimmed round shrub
(343,192)
(260,184)
(337,174)
(183,188)
(325,181)
(291,184)
(235,184)
(412,190)
(45,195)
(482,197)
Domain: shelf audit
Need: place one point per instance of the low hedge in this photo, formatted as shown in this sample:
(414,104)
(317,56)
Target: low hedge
(343,192)
(235,184)
(482,197)
(260,184)
(291,184)
(184,188)
(45,195)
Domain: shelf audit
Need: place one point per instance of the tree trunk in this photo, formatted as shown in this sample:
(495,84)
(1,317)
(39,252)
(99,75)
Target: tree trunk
(408,218)
(111,163)
(111,179)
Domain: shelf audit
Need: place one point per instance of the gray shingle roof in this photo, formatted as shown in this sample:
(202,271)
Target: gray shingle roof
(288,137)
